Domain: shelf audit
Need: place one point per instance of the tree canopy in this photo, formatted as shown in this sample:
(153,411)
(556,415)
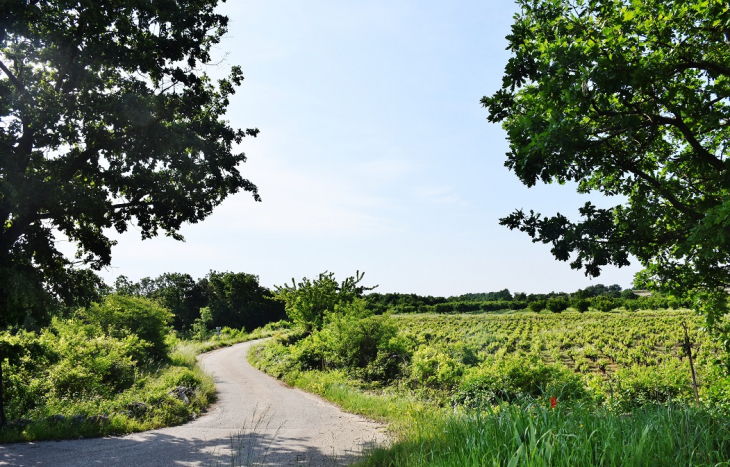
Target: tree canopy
(107,118)
(308,302)
(628,99)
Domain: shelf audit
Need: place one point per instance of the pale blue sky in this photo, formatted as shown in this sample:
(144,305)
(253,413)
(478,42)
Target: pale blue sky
(374,155)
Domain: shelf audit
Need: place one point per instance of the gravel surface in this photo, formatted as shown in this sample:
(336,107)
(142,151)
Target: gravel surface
(266,422)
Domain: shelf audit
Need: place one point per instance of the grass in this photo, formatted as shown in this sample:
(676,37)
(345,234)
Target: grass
(529,434)
(533,435)
(251,445)
(148,404)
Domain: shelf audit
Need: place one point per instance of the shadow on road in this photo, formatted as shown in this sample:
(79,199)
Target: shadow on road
(160,449)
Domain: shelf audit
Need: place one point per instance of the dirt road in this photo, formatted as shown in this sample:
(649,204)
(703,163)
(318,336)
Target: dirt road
(268,421)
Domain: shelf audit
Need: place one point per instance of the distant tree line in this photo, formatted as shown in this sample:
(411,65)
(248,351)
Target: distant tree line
(236,300)
(599,297)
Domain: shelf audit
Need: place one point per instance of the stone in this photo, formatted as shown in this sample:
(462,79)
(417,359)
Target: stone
(137,409)
(21,423)
(182,393)
(98,419)
(78,418)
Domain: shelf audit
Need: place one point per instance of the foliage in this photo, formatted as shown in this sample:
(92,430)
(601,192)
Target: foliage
(401,303)
(501,295)
(604,304)
(107,120)
(352,339)
(514,378)
(200,326)
(580,304)
(121,315)
(308,302)
(557,304)
(234,299)
(435,368)
(638,385)
(630,99)
(237,300)
(179,293)
(76,370)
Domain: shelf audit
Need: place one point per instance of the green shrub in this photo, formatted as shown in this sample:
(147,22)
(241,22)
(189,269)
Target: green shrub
(638,385)
(308,302)
(557,304)
(580,304)
(514,378)
(435,368)
(716,393)
(353,339)
(537,305)
(120,315)
(517,305)
(603,303)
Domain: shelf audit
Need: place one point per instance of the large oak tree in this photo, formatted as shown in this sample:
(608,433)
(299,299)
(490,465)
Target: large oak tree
(628,99)
(107,118)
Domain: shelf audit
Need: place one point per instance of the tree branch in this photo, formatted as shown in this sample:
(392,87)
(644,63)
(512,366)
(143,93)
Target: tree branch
(690,137)
(704,65)
(16,82)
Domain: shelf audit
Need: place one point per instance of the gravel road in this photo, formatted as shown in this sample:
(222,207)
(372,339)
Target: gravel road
(267,422)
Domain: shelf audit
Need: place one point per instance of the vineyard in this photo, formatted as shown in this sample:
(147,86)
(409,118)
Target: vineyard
(586,388)
(591,342)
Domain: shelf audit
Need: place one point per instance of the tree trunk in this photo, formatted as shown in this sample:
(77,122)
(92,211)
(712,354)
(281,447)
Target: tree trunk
(3,420)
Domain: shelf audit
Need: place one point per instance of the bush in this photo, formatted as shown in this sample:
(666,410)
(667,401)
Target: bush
(603,303)
(308,302)
(355,340)
(435,368)
(537,305)
(638,385)
(514,378)
(580,304)
(120,315)
(69,360)
(517,305)
(557,304)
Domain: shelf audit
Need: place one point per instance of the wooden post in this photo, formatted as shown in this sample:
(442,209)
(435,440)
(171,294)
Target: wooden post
(688,350)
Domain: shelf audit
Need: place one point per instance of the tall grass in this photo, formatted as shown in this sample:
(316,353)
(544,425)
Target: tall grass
(535,436)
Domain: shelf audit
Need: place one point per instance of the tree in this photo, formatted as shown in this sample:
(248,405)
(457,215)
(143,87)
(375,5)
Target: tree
(177,292)
(237,300)
(628,99)
(107,118)
(308,302)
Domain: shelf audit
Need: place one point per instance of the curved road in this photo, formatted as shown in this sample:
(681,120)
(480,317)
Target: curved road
(257,418)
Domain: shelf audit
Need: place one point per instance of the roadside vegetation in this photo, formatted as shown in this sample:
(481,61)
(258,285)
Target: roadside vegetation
(118,365)
(561,387)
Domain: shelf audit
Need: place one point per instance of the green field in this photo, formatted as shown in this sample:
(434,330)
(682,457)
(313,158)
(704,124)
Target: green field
(521,388)
(591,342)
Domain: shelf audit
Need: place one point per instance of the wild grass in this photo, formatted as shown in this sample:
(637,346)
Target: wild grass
(148,404)
(252,444)
(532,435)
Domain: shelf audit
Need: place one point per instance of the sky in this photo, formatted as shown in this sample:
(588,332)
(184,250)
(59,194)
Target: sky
(374,155)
